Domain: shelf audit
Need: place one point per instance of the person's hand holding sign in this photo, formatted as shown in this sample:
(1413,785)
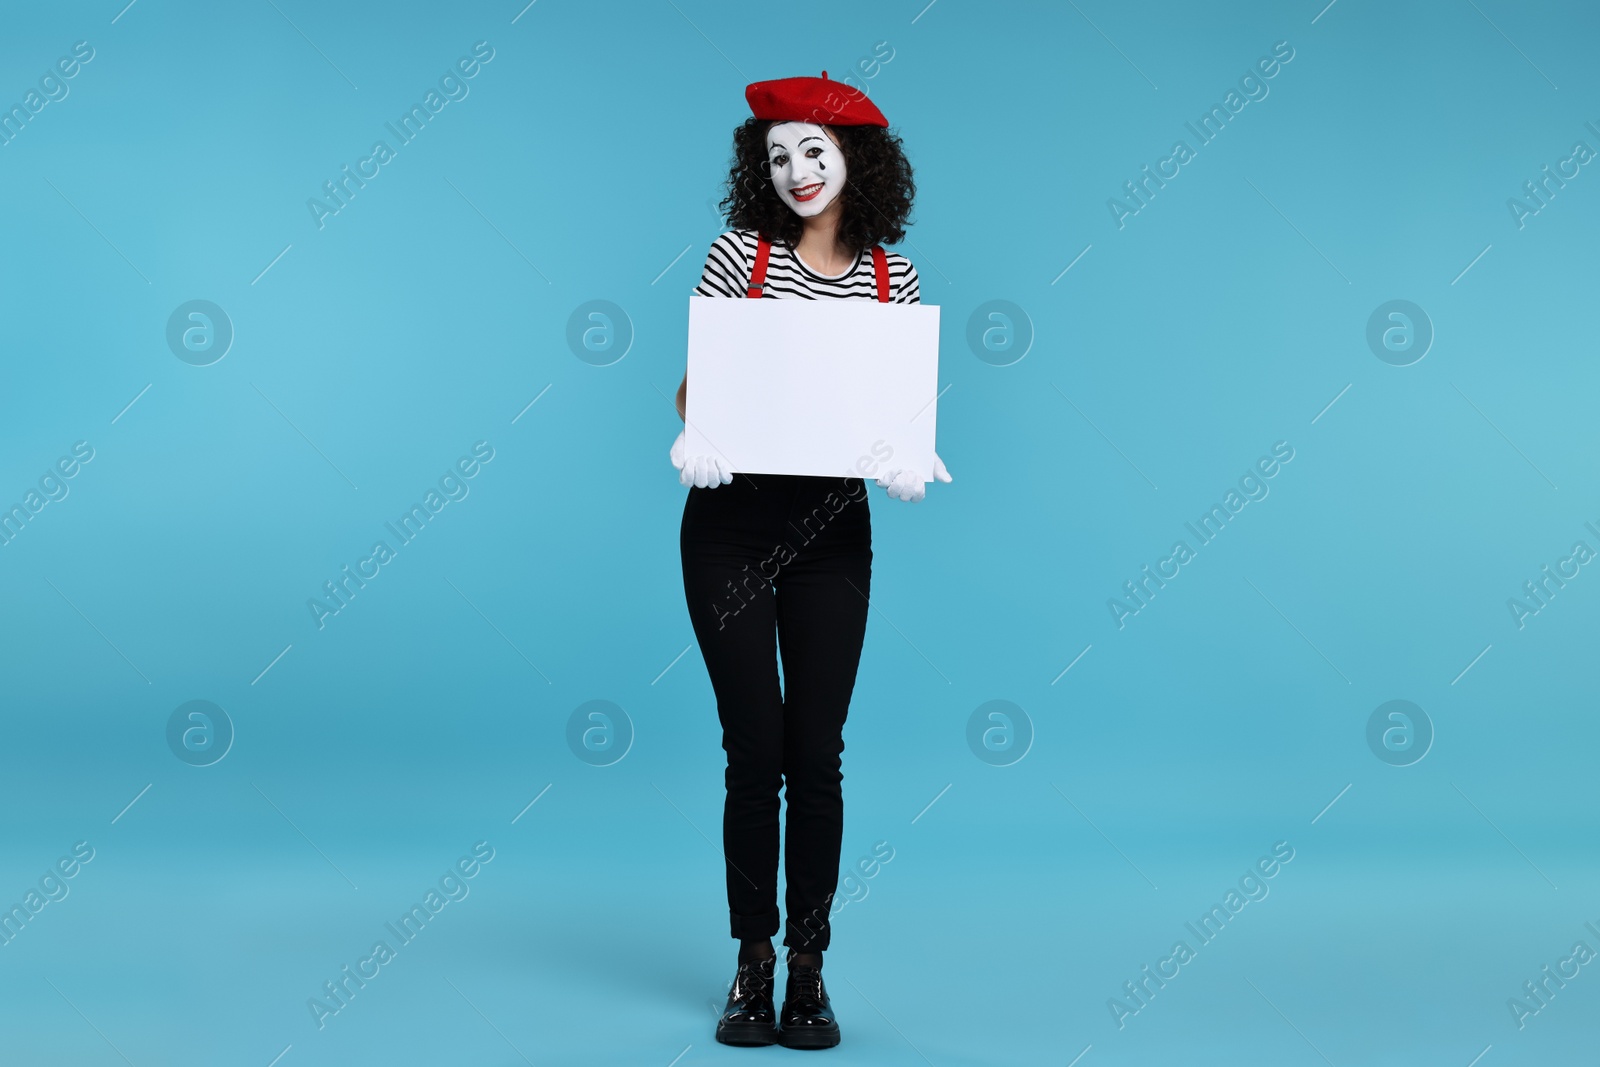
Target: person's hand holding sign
(908,485)
(705,472)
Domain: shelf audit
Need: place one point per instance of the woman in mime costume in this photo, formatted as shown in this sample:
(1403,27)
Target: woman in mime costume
(782,564)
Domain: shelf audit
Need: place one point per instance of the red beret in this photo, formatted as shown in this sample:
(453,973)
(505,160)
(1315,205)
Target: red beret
(818,100)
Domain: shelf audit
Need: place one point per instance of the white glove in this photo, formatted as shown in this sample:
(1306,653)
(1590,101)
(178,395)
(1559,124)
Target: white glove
(706,472)
(908,485)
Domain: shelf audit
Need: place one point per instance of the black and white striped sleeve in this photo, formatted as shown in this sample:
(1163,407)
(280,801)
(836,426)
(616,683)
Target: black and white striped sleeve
(726,272)
(910,289)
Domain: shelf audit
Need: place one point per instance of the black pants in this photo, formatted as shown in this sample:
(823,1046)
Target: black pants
(780,562)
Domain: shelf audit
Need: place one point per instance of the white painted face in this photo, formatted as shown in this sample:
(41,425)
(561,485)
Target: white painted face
(807,167)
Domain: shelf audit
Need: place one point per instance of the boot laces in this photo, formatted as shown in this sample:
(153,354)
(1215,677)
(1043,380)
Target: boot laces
(751,979)
(807,982)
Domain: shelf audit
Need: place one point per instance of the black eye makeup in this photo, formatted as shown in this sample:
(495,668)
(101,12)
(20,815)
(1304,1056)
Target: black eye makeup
(782,158)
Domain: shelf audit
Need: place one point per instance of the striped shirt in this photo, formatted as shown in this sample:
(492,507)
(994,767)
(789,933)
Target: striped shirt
(733,254)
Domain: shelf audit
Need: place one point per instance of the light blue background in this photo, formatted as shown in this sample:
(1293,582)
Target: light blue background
(426,315)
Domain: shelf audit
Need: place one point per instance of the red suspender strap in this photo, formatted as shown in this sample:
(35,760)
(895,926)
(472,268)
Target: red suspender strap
(758,274)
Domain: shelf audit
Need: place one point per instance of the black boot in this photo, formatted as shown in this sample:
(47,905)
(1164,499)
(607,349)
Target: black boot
(806,1020)
(749,1018)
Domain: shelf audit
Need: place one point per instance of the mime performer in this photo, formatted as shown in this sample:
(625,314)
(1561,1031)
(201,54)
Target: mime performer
(818,184)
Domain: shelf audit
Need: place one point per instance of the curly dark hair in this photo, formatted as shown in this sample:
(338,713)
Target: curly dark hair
(877,193)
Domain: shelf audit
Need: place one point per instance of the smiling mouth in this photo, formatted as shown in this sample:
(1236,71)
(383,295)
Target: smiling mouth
(806,192)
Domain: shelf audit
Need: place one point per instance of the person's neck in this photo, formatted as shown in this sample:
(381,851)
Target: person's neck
(819,245)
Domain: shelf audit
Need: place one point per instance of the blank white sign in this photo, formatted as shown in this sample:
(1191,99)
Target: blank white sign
(844,388)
